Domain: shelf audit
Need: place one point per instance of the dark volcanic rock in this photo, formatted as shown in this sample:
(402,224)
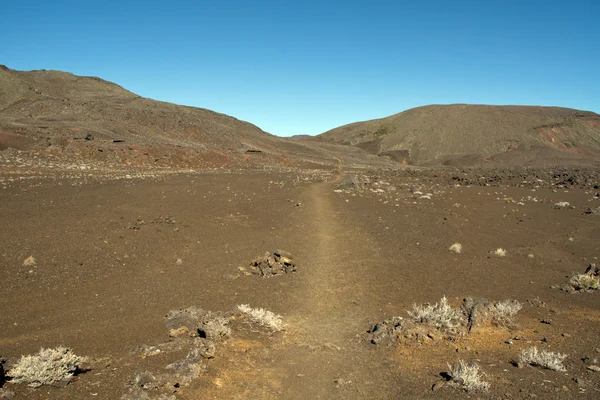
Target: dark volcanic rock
(278,263)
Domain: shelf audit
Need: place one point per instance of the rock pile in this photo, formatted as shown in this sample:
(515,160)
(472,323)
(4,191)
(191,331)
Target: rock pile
(278,263)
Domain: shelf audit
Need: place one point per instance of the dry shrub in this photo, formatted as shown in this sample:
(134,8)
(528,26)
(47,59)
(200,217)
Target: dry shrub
(467,376)
(263,317)
(47,367)
(440,315)
(504,311)
(542,358)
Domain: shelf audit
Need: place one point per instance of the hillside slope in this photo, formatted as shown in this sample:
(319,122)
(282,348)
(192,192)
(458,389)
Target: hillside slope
(87,118)
(478,134)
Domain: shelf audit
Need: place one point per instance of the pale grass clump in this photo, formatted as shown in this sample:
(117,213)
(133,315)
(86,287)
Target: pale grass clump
(47,367)
(504,311)
(456,247)
(562,204)
(467,375)
(263,317)
(584,282)
(442,315)
(500,252)
(542,358)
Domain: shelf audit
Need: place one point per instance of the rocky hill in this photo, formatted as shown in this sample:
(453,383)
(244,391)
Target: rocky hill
(463,134)
(88,118)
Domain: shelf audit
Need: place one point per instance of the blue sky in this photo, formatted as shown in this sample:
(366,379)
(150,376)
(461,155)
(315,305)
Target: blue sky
(305,67)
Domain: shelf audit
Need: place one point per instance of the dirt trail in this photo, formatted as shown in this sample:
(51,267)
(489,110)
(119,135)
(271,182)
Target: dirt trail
(331,308)
(322,354)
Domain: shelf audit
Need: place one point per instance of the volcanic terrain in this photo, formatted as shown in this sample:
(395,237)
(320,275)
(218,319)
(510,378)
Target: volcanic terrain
(186,254)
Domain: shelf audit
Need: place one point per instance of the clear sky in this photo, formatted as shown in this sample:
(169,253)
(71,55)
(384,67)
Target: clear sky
(304,67)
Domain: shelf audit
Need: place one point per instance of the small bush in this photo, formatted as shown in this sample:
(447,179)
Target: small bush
(263,317)
(500,252)
(456,247)
(441,316)
(47,367)
(467,376)
(584,282)
(542,358)
(504,311)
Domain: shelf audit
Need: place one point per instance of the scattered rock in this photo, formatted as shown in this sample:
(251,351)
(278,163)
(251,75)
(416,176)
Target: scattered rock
(188,318)
(189,368)
(593,211)
(477,311)
(29,262)
(181,331)
(593,368)
(2,361)
(349,183)
(7,394)
(389,329)
(146,381)
(278,263)
(205,348)
(214,325)
(206,324)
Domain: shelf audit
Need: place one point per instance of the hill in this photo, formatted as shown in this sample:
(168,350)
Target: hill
(463,134)
(88,118)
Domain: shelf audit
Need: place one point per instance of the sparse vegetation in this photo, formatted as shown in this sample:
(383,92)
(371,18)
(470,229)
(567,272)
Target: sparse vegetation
(584,282)
(263,317)
(440,315)
(541,358)
(467,376)
(456,247)
(500,252)
(47,367)
(504,311)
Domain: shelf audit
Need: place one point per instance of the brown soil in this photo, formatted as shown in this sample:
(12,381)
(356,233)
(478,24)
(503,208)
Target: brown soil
(107,272)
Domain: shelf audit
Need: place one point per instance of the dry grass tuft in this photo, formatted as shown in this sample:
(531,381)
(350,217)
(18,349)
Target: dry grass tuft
(442,315)
(504,311)
(542,358)
(500,252)
(467,376)
(263,317)
(47,367)
(456,247)
(584,282)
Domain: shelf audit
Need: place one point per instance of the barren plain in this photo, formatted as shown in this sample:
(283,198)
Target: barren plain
(155,271)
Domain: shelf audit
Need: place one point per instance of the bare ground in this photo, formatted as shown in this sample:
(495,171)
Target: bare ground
(114,256)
